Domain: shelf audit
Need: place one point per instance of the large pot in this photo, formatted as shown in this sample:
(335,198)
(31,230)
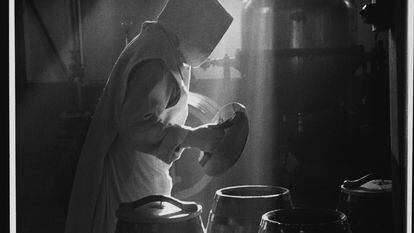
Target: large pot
(367,202)
(159,214)
(239,208)
(304,221)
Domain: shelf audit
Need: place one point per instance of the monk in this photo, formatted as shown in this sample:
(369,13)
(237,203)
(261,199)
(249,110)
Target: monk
(138,129)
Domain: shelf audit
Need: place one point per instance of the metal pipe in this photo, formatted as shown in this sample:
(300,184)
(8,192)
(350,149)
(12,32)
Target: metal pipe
(80,40)
(49,39)
(79,13)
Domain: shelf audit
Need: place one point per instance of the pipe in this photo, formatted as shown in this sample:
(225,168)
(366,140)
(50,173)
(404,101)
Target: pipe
(79,13)
(49,39)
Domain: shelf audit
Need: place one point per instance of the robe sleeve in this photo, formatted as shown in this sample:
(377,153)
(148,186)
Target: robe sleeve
(151,89)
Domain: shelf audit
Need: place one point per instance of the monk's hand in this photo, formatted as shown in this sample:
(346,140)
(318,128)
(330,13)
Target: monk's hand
(205,138)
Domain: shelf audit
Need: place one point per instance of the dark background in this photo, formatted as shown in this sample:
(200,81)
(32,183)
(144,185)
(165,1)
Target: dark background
(49,134)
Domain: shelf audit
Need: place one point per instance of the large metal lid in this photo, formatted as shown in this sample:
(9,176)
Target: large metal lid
(157,209)
(233,119)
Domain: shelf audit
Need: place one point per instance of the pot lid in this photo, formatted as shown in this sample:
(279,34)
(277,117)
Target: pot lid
(157,209)
(377,185)
(369,184)
(233,119)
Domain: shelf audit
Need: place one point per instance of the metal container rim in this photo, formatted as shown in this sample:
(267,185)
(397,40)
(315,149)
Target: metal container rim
(364,192)
(221,191)
(181,217)
(342,216)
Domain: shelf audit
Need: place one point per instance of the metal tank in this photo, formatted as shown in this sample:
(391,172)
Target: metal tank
(300,24)
(296,57)
(312,44)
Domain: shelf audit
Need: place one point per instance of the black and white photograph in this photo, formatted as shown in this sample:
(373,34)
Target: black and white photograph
(210,116)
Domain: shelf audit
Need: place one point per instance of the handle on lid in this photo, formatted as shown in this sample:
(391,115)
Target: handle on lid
(223,125)
(186,206)
(351,184)
(229,122)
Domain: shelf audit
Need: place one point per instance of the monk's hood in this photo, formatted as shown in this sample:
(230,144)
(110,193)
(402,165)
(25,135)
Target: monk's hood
(198,24)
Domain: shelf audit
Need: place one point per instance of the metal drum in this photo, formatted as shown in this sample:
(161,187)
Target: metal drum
(159,214)
(367,202)
(304,221)
(239,208)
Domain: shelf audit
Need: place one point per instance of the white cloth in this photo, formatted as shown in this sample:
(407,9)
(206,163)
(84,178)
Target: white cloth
(106,172)
(135,128)
(129,173)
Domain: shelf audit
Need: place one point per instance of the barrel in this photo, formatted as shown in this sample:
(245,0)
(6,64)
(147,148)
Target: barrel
(304,221)
(368,205)
(239,208)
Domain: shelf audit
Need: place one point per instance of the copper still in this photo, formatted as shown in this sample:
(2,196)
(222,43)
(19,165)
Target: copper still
(296,57)
(295,24)
(312,46)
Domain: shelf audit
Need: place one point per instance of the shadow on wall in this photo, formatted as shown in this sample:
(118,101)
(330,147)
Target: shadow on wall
(47,93)
(103,35)
(47,149)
